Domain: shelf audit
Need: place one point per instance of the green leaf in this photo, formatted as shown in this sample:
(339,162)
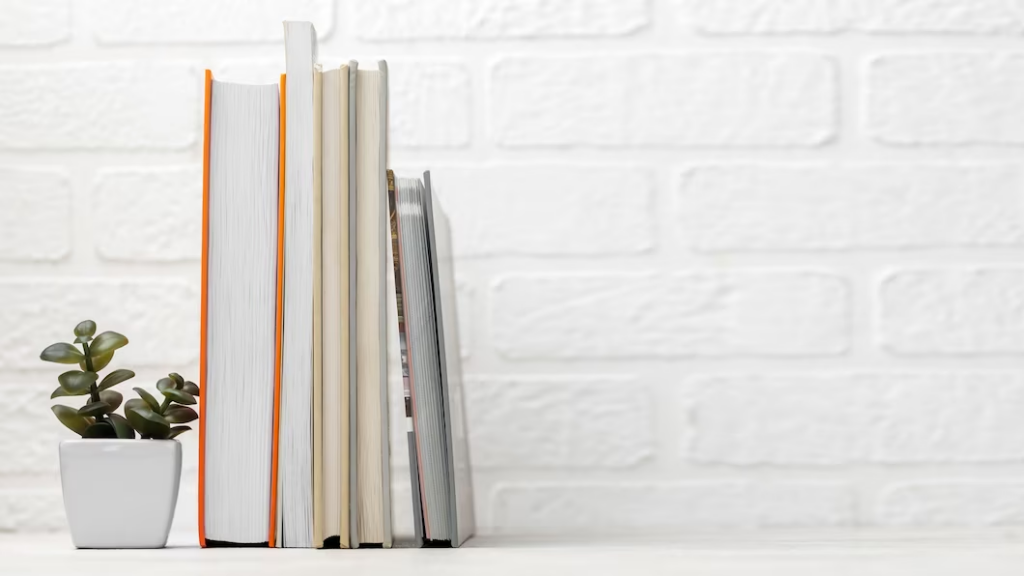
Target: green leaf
(61,353)
(147,422)
(70,417)
(60,391)
(94,409)
(167,388)
(115,378)
(180,414)
(122,427)
(81,339)
(112,398)
(105,343)
(178,430)
(134,404)
(153,404)
(180,396)
(100,430)
(85,328)
(191,388)
(98,363)
(76,381)
(165,384)
(178,380)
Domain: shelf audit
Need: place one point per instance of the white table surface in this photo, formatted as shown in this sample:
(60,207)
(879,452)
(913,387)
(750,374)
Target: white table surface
(976,553)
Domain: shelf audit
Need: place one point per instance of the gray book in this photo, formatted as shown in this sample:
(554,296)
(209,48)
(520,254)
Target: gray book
(438,450)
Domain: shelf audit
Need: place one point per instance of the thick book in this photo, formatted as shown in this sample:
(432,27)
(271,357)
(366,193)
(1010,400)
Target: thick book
(240,312)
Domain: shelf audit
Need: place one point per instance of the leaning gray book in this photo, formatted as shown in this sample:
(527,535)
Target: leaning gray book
(438,454)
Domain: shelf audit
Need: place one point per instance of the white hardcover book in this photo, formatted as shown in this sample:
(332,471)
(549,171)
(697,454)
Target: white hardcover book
(241,327)
(295,462)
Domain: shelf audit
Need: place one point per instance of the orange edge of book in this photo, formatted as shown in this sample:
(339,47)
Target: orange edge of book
(202,312)
(280,323)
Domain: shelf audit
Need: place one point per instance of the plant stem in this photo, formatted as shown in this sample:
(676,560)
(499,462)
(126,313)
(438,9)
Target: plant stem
(94,393)
(164,405)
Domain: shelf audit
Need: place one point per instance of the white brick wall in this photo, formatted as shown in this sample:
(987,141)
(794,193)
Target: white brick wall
(722,264)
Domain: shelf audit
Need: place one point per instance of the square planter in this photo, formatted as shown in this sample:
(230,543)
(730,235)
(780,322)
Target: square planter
(120,493)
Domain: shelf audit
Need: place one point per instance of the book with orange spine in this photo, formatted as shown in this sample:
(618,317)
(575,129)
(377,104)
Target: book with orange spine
(241,312)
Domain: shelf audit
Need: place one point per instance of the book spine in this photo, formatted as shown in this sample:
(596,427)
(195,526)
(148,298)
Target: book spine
(203,305)
(279,323)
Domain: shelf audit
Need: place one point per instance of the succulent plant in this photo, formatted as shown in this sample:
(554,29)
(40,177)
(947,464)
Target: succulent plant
(154,419)
(98,419)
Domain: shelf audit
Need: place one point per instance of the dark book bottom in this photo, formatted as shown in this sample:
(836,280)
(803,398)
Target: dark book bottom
(332,542)
(223,544)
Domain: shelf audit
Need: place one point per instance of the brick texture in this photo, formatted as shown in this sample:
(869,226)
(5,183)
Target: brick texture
(494,210)
(159,316)
(833,419)
(779,17)
(117,105)
(35,23)
(671,315)
(395,20)
(957,503)
(761,16)
(827,207)
(32,510)
(150,214)
(731,100)
(587,508)
(549,423)
(190,21)
(953,311)
(952,99)
(721,264)
(36,219)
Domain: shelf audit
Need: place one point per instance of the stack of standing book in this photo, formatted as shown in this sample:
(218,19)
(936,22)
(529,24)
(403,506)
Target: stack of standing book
(328,297)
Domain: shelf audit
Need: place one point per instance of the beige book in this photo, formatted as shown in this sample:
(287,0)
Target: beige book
(335,398)
(372,231)
(350,456)
(318,422)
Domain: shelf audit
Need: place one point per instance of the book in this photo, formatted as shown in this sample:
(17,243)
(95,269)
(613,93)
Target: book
(335,405)
(438,449)
(371,308)
(318,321)
(240,298)
(461,515)
(331,413)
(353,390)
(407,510)
(294,443)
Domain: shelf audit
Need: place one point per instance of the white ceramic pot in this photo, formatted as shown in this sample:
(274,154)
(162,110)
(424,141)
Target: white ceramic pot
(120,493)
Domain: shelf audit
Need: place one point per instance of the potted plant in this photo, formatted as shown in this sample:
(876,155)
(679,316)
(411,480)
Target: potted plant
(109,464)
